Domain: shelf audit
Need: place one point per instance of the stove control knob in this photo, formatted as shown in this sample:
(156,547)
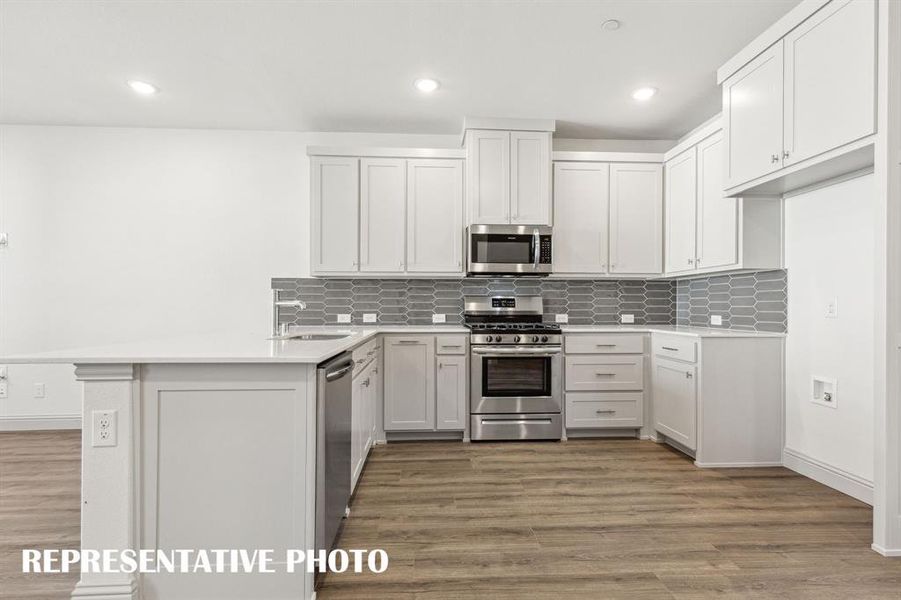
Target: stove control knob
(498,339)
(488,339)
(516,338)
(544,338)
(534,338)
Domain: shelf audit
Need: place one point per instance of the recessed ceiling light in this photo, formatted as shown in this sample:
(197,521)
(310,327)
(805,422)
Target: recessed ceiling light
(610,25)
(142,87)
(645,93)
(427,86)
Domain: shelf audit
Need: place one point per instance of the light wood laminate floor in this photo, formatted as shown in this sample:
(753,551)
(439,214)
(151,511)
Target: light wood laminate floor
(582,519)
(602,519)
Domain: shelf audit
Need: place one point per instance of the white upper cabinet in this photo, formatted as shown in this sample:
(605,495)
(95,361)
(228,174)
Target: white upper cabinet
(383,189)
(830,79)
(488,162)
(707,232)
(509,176)
(636,218)
(434,216)
(802,94)
(752,116)
(381,216)
(681,215)
(717,217)
(581,203)
(530,177)
(335,214)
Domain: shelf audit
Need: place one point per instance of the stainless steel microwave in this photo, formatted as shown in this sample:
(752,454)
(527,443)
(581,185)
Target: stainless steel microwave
(509,250)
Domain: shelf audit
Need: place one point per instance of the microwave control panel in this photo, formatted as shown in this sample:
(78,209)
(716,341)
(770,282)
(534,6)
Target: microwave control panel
(544,256)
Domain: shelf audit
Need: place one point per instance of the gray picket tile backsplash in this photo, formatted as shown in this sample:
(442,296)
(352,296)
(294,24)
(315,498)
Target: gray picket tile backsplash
(754,301)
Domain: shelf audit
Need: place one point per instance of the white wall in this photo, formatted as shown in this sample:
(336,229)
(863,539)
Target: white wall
(119,234)
(829,254)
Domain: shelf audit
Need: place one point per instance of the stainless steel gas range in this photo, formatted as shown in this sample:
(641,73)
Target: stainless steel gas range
(517,369)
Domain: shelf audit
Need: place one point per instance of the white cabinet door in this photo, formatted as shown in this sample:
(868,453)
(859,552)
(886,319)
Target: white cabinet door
(359,421)
(752,118)
(636,218)
(383,190)
(681,220)
(530,177)
(488,173)
(335,214)
(581,201)
(717,234)
(830,79)
(452,383)
(435,216)
(675,401)
(376,388)
(409,383)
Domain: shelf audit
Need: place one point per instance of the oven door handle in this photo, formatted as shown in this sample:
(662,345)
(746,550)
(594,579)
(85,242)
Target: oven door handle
(521,351)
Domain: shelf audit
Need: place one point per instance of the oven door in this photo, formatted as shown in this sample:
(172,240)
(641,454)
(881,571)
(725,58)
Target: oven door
(513,249)
(516,380)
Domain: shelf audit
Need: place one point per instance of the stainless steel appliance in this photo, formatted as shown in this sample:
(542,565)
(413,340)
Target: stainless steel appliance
(516,386)
(510,250)
(333,402)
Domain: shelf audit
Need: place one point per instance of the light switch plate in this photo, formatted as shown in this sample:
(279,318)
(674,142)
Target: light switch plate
(39,390)
(344,318)
(627,318)
(370,317)
(562,318)
(832,309)
(439,318)
(716,319)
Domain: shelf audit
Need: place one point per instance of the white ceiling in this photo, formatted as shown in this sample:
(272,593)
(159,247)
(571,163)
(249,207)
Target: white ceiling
(349,66)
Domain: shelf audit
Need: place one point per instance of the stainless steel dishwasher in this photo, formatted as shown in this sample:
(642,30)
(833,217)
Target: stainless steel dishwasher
(333,405)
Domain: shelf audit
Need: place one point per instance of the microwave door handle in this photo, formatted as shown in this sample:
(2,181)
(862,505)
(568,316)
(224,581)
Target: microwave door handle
(536,245)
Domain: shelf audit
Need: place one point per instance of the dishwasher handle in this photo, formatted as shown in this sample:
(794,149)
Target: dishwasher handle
(338,371)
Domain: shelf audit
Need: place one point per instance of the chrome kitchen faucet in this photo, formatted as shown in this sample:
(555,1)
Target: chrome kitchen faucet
(279,329)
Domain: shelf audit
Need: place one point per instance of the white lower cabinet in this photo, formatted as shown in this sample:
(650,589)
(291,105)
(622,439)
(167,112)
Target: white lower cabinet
(719,398)
(361,420)
(675,401)
(422,392)
(604,381)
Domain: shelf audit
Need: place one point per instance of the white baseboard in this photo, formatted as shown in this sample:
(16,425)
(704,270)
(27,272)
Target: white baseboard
(38,422)
(837,479)
(736,465)
(891,553)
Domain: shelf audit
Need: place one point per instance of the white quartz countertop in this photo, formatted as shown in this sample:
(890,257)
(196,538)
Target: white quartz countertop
(225,348)
(672,329)
(259,348)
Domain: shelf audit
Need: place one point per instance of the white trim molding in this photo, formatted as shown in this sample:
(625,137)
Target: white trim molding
(887,552)
(838,479)
(104,372)
(40,422)
(124,590)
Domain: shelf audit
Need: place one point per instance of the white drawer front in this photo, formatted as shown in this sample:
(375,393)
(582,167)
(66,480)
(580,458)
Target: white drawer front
(606,343)
(679,347)
(604,409)
(450,344)
(363,355)
(600,373)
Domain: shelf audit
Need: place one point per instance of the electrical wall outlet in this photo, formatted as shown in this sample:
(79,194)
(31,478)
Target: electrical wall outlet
(716,319)
(39,390)
(439,318)
(4,391)
(104,429)
(627,318)
(832,309)
(370,317)
(562,318)
(344,318)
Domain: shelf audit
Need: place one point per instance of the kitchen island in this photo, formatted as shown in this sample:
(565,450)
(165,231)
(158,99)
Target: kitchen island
(208,443)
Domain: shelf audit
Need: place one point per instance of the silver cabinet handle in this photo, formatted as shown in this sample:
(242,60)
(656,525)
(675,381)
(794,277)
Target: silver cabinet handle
(375,371)
(407,341)
(688,375)
(451,346)
(605,345)
(670,349)
(605,374)
(774,158)
(366,382)
(606,412)
(785,154)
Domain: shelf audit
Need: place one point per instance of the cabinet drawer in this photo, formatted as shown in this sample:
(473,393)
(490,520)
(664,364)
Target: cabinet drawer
(600,373)
(364,354)
(606,343)
(450,344)
(675,346)
(604,409)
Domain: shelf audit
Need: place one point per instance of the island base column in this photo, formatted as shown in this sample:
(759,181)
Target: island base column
(108,475)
